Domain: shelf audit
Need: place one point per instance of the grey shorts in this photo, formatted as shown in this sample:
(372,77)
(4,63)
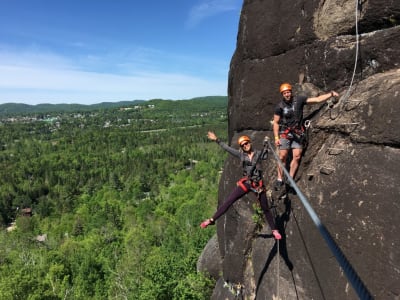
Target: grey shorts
(287,144)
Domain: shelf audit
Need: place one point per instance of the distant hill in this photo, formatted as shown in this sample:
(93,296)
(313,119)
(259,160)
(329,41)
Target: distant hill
(199,102)
(20,108)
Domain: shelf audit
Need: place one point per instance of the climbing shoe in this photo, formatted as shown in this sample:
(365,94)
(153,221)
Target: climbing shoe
(207,222)
(276,234)
(278,185)
(290,189)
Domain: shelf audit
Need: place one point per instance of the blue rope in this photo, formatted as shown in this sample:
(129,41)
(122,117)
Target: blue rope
(350,273)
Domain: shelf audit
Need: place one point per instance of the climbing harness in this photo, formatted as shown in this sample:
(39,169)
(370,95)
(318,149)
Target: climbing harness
(256,187)
(295,132)
(253,176)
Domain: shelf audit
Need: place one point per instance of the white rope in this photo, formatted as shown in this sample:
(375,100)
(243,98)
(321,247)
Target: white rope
(356,58)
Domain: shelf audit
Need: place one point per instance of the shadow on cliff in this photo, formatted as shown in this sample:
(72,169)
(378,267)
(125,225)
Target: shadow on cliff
(281,219)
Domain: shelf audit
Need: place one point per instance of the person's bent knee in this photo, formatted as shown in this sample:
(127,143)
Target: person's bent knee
(296,157)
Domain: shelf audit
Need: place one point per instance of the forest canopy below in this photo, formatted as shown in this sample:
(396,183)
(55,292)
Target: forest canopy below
(105,203)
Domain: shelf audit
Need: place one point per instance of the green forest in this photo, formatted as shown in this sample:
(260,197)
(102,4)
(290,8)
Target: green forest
(105,202)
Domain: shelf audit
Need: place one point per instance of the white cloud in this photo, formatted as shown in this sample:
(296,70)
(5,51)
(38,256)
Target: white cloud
(209,8)
(45,85)
(52,79)
(31,76)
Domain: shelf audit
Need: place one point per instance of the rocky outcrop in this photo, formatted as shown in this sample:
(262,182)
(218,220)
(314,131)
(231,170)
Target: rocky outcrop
(350,169)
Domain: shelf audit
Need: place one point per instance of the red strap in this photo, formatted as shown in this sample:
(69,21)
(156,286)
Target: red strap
(240,183)
(284,134)
(254,185)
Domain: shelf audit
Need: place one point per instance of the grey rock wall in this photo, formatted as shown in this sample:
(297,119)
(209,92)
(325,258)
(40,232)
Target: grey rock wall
(350,169)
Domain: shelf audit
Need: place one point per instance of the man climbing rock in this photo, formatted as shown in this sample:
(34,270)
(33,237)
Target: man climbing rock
(288,127)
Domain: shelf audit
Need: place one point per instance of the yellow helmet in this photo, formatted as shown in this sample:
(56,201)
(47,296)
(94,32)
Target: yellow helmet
(242,139)
(285,87)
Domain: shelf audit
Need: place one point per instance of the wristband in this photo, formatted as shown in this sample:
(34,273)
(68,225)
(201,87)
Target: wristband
(276,138)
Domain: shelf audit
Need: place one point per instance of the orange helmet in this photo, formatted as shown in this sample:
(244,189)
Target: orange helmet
(243,138)
(285,87)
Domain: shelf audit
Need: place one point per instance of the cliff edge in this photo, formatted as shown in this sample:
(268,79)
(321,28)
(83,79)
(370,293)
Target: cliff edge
(350,168)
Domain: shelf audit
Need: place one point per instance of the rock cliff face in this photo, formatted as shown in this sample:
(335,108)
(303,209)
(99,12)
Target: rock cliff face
(350,170)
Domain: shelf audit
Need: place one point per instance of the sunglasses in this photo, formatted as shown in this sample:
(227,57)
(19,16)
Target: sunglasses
(244,144)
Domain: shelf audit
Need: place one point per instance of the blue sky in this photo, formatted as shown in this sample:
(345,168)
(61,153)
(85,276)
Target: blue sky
(92,51)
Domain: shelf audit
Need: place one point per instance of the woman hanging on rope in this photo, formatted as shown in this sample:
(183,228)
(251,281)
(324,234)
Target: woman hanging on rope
(252,180)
